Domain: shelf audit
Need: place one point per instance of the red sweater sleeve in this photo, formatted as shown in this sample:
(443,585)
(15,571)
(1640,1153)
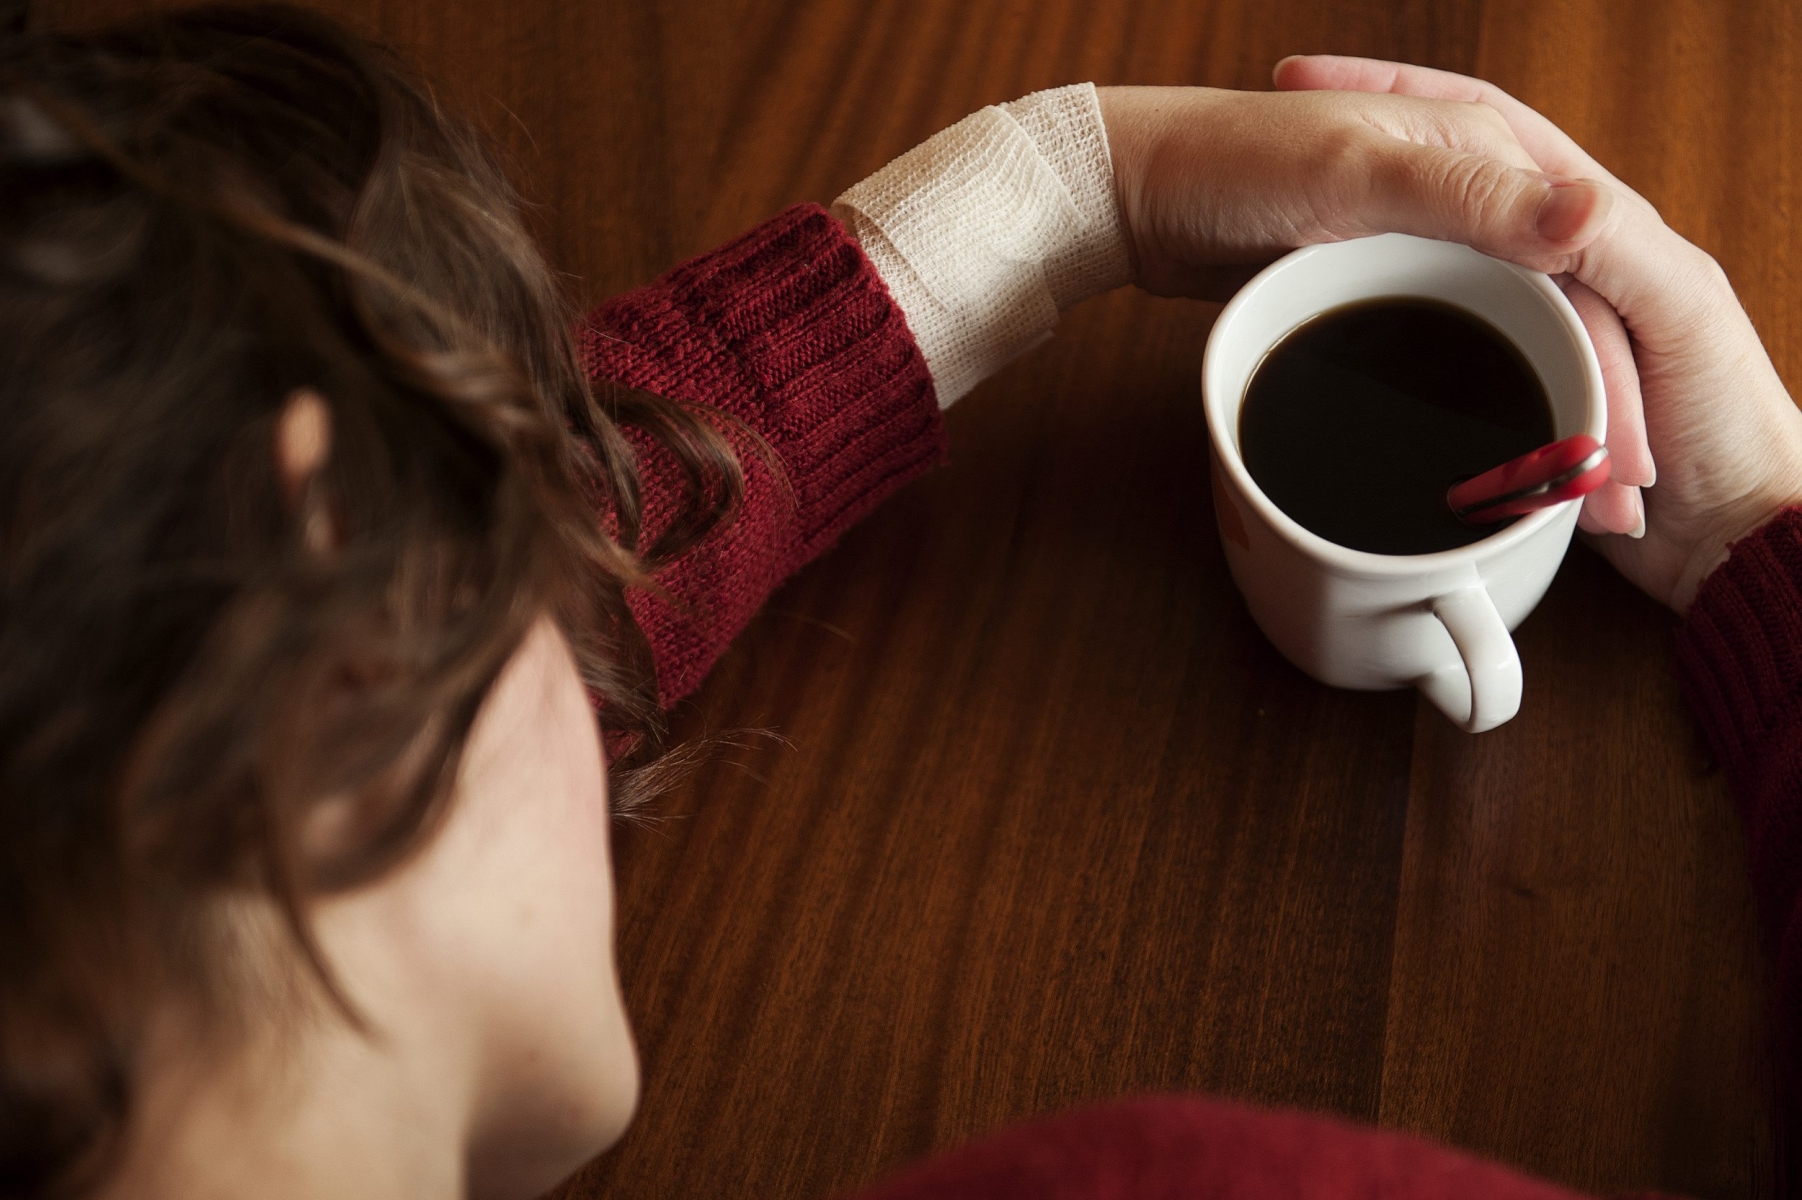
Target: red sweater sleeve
(1740,660)
(790,330)
(1182,1148)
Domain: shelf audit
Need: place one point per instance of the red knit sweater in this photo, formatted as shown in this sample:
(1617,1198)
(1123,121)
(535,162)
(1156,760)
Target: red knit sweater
(790,329)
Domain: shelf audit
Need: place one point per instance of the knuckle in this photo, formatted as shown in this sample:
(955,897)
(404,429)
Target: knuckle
(1500,141)
(1482,130)
(1709,270)
(1694,268)
(1355,167)
(1471,126)
(1345,147)
(1412,119)
(1486,120)
(1706,288)
(1457,123)
(1475,189)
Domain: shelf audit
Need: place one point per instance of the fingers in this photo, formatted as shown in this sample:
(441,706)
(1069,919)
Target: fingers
(1614,508)
(1475,128)
(1618,506)
(1629,449)
(1550,146)
(1452,195)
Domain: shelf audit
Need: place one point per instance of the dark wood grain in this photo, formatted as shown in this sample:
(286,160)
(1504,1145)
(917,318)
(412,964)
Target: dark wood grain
(1052,822)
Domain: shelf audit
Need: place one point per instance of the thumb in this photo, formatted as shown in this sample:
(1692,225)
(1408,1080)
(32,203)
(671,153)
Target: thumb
(1452,195)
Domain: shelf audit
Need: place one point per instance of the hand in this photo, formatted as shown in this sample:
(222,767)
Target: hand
(1726,436)
(1214,184)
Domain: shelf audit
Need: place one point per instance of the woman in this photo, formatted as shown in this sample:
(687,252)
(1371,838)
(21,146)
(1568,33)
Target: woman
(323,526)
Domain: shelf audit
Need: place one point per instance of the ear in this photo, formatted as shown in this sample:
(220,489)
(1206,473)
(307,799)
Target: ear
(303,444)
(303,440)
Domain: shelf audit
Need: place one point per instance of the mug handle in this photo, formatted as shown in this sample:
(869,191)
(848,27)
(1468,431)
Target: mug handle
(1483,690)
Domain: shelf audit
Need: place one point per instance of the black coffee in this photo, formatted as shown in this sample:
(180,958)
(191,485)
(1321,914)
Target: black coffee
(1357,422)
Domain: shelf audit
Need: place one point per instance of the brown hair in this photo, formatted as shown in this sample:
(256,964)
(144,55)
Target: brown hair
(200,215)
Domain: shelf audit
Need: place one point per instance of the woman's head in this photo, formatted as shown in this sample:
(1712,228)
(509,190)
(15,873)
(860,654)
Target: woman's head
(296,457)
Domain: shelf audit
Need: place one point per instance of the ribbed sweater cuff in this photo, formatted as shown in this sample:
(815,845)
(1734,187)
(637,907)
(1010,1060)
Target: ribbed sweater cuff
(1739,656)
(790,329)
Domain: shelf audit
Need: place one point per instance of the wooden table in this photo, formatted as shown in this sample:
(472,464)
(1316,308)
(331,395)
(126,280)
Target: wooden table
(1051,821)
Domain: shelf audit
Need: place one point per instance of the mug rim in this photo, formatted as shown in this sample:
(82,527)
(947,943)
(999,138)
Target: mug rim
(1367,561)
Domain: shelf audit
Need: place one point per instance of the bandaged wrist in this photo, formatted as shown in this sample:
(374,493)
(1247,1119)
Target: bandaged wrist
(984,232)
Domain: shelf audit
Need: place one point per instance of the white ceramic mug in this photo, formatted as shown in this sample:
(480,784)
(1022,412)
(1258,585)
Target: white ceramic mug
(1439,622)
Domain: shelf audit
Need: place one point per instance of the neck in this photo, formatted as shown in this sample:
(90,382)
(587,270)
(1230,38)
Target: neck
(304,1107)
(339,1118)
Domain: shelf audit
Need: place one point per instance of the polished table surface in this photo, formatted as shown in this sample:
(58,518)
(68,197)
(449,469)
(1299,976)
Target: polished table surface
(1050,821)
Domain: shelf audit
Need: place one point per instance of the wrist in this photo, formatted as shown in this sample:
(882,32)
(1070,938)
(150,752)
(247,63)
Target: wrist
(1122,124)
(986,231)
(1092,254)
(1774,469)
(1185,182)
(1715,548)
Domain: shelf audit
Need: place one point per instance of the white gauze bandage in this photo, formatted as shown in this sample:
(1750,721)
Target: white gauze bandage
(984,232)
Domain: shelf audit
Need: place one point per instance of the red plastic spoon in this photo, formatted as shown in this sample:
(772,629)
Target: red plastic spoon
(1538,479)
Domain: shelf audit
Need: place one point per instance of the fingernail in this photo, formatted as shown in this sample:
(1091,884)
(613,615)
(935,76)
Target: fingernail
(1565,209)
(1639,502)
